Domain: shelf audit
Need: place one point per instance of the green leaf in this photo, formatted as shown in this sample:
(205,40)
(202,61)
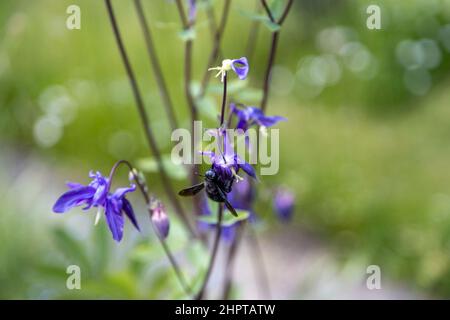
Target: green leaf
(228,218)
(253,16)
(273,27)
(188,34)
(174,171)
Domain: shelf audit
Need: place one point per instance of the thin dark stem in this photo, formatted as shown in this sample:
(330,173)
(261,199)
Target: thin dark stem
(143,188)
(266,85)
(232,252)
(268,11)
(216,46)
(183,17)
(273,49)
(224,100)
(211,19)
(145,121)
(156,65)
(213,253)
(285,12)
(189,97)
(259,264)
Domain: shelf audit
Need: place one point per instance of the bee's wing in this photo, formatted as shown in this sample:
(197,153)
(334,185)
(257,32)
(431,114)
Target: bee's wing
(230,207)
(192,190)
(227,204)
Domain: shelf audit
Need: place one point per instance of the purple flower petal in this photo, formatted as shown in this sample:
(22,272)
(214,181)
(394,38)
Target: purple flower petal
(73,185)
(229,233)
(160,220)
(128,209)
(269,121)
(101,185)
(241,67)
(73,198)
(120,192)
(252,115)
(114,219)
(248,169)
(242,196)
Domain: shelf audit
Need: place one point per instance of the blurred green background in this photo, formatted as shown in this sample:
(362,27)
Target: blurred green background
(365,148)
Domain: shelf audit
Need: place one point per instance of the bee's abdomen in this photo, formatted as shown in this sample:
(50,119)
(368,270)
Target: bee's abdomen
(213,192)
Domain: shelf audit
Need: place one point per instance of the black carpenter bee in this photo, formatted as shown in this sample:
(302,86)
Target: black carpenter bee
(216,188)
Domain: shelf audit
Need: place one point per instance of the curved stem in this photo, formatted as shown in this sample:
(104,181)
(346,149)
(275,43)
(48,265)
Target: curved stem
(273,49)
(213,253)
(143,188)
(285,12)
(156,65)
(266,85)
(145,121)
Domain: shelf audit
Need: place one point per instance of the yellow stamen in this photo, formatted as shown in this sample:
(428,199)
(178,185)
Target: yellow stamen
(238,178)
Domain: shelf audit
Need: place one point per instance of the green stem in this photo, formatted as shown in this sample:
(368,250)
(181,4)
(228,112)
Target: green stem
(143,188)
(146,123)
(215,248)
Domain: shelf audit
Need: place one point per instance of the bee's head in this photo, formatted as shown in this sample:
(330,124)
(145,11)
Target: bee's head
(210,174)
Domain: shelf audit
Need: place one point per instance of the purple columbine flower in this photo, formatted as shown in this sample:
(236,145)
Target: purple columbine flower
(227,163)
(239,66)
(249,116)
(96,194)
(159,218)
(283,204)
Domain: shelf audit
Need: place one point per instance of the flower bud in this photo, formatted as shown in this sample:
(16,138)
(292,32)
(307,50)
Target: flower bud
(159,218)
(283,204)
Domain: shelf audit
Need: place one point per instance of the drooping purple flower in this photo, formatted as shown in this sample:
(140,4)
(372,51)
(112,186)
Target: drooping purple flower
(116,205)
(242,196)
(239,66)
(96,194)
(249,116)
(283,204)
(159,218)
